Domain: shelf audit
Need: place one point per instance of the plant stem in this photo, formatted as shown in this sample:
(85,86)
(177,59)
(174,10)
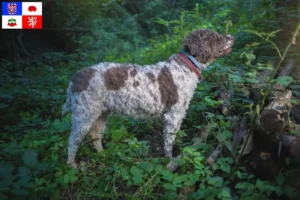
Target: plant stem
(115,191)
(139,190)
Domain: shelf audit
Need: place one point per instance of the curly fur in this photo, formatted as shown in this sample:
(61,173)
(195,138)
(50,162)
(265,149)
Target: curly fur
(205,45)
(161,90)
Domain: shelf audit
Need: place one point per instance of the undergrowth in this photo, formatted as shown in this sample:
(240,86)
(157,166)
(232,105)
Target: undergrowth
(34,136)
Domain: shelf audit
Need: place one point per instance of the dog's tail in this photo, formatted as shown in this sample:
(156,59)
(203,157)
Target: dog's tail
(67,106)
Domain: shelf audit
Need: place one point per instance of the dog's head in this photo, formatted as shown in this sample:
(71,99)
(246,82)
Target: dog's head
(206,45)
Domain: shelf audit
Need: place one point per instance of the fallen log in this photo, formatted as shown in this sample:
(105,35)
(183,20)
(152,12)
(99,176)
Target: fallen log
(292,143)
(273,118)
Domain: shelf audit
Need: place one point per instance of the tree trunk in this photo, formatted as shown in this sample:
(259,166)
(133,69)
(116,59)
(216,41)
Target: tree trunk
(274,116)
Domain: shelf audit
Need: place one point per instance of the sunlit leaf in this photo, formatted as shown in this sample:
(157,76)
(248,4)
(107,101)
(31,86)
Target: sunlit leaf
(30,158)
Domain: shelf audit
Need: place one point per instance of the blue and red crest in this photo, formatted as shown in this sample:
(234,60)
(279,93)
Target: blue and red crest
(12,8)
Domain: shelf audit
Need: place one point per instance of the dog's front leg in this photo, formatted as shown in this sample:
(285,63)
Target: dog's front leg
(172,123)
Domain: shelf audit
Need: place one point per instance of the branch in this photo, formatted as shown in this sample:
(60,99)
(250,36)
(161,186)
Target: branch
(214,155)
(19,39)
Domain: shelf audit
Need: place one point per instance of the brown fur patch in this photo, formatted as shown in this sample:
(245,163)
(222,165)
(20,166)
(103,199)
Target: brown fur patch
(167,88)
(114,78)
(150,76)
(82,79)
(133,73)
(135,84)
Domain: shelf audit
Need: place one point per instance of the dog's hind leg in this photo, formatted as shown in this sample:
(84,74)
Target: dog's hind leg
(97,130)
(77,134)
(82,120)
(79,130)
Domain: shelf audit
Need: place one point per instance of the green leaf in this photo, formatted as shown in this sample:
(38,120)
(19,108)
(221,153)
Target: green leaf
(55,194)
(7,181)
(199,194)
(235,78)
(250,56)
(225,124)
(147,166)
(264,186)
(73,178)
(125,173)
(226,168)
(6,168)
(66,178)
(290,191)
(228,145)
(118,134)
(137,175)
(228,159)
(284,80)
(225,192)
(24,171)
(170,186)
(242,185)
(251,80)
(279,190)
(174,22)
(58,174)
(191,179)
(30,158)
(179,179)
(280,179)
(24,180)
(161,21)
(216,181)
(166,174)
(198,160)
(209,114)
(19,191)
(188,150)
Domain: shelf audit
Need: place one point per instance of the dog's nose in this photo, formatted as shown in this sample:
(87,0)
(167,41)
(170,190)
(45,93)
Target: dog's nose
(230,37)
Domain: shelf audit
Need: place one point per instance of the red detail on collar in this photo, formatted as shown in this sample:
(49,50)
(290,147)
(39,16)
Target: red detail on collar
(189,64)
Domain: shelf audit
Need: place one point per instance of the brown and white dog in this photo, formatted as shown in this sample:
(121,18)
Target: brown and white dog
(164,89)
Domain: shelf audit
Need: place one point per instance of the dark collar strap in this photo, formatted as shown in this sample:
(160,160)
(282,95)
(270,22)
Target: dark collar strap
(193,60)
(189,63)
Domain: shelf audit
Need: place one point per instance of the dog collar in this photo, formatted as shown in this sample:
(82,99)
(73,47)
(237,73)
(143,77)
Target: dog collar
(191,62)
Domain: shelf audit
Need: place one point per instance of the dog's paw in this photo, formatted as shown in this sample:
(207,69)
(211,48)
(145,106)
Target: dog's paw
(73,165)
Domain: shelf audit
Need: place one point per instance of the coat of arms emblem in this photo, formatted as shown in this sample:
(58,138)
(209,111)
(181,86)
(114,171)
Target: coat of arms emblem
(12,22)
(12,8)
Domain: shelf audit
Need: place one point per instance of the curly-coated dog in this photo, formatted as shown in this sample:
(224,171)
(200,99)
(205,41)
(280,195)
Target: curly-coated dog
(164,89)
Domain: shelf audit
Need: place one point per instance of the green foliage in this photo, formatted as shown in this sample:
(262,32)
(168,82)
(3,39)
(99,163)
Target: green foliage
(34,137)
